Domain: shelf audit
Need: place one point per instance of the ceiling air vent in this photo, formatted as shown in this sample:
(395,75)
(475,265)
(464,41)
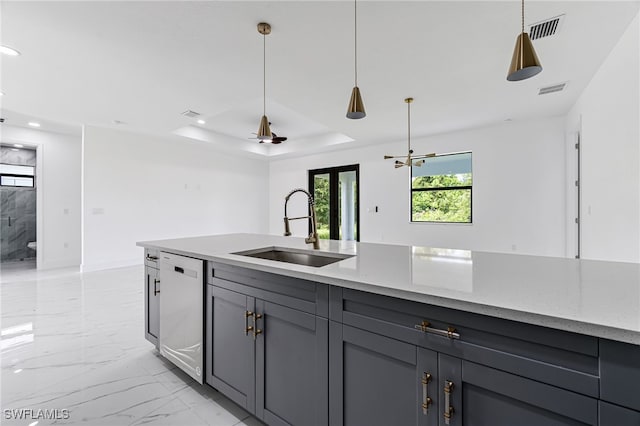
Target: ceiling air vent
(552,89)
(191,114)
(546,28)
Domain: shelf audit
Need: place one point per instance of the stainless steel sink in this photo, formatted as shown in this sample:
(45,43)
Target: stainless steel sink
(299,257)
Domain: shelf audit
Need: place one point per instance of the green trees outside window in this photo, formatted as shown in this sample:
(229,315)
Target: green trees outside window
(441,189)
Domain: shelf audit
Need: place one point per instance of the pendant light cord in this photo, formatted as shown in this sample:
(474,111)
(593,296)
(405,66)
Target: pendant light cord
(355,38)
(264,74)
(409,130)
(522,15)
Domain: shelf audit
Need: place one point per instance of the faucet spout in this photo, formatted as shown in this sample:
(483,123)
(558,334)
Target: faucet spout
(313,236)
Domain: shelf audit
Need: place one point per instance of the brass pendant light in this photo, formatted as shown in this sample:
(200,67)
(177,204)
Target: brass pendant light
(356,106)
(264,132)
(525,63)
(415,160)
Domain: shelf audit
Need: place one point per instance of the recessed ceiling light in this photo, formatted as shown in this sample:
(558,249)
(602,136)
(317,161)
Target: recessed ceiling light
(17,145)
(6,50)
(34,124)
(201,122)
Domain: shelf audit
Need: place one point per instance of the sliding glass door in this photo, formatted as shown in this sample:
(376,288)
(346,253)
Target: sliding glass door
(335,191)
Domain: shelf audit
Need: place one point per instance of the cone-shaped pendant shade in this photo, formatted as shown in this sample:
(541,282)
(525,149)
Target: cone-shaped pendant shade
(525,63)
(356,106)
(264,132)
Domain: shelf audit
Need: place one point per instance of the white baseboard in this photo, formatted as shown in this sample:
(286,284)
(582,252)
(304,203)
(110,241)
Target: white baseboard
(58,264)
(110,265)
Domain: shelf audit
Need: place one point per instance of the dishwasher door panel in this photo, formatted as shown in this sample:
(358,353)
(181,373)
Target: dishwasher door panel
(181,313)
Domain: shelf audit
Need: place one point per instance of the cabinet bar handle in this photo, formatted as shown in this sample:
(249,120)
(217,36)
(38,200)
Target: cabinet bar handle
(448,409)
(247,327)
(426,401)
(153,258)
(256,330)
(155,286)
(425,327)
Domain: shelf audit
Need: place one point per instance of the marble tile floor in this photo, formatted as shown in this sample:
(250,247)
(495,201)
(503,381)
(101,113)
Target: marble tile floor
(75,341)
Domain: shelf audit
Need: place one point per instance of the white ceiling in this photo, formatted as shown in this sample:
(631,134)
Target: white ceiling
(144,63)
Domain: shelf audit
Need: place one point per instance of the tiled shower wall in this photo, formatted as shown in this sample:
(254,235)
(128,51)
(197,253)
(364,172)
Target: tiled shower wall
(17,211)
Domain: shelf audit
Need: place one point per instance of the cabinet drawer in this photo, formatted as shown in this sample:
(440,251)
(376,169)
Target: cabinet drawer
(612,415)
(562,359)
(151,257)
(306,296)
(491,396)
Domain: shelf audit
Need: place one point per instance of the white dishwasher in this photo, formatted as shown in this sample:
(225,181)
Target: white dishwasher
(181,316)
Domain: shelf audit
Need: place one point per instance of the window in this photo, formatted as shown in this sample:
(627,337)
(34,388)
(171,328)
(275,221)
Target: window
(16,181)
(441,189)
(13,175)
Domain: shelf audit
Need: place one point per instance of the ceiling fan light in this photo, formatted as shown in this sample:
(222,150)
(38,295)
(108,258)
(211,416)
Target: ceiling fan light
(356,106)
(524,63)
(264,131)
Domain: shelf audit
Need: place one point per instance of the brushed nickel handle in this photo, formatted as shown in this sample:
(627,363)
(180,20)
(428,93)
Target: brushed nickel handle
(155,286)
(425,327)
(152,258)
(448,409)
(247,327)
(426,401)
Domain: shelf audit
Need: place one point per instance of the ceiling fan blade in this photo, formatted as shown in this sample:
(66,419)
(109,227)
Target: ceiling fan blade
(418,163)
(398,165)
(387,157)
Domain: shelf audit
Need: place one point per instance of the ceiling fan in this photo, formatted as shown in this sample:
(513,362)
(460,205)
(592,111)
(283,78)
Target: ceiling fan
(274,140)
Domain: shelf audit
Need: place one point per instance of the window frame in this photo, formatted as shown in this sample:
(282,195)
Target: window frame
(33,180)
(334,172)
(442,188)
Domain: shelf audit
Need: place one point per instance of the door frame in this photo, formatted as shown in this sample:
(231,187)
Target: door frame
(334,218)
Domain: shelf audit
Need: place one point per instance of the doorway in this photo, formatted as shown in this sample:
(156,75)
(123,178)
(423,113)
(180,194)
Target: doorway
(337,199)
(17,207)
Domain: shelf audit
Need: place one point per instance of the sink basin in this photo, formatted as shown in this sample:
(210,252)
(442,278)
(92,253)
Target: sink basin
(299,257)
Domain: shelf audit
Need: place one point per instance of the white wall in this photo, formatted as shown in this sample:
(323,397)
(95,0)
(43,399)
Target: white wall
(608,113)
(518,189)
(58,194)
(138,187)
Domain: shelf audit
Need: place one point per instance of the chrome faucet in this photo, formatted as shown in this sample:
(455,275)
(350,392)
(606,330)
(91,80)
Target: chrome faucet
(313,236)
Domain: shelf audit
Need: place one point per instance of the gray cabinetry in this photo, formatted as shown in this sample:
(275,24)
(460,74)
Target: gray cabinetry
(613,415)
(152,297)
(620,373)
(230,354)
(267,347)
(494,372)
(291,366)
(484,395)
(376,380)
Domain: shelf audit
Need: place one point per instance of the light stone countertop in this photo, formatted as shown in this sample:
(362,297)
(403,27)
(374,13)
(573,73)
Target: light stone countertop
(590,297)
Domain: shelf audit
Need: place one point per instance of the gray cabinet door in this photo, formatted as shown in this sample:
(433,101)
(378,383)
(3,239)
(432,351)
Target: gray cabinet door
(375,380)
(487,396)
(230,352)
(291,366)
(152,304)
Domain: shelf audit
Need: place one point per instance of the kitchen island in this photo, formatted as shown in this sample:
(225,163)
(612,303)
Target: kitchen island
(416,335)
